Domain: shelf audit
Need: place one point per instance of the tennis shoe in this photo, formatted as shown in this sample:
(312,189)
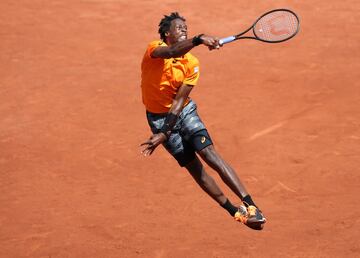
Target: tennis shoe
(250,216)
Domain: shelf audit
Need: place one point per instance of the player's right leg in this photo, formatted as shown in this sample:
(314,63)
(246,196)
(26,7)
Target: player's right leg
(206,182)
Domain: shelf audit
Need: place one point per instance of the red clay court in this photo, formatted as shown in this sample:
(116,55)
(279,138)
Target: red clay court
(286,116)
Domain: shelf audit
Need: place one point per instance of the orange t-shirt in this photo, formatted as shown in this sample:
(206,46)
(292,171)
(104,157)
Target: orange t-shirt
(161,78)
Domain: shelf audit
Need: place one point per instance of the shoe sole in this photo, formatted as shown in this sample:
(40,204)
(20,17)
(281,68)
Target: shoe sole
(256,225)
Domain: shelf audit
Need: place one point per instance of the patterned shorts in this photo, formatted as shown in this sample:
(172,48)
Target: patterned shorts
(188,135)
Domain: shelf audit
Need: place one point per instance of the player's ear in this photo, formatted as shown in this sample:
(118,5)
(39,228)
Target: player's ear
(167,34)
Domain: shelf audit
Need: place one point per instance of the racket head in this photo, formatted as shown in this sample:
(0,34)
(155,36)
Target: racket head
(276,26)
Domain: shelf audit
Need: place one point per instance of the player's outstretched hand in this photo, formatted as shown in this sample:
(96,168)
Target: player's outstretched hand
(151,144)
(211,42)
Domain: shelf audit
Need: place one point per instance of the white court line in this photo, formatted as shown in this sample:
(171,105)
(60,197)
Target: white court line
(282,123)
(267,131)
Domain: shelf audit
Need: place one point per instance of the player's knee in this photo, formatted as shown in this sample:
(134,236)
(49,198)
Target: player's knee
(204,179)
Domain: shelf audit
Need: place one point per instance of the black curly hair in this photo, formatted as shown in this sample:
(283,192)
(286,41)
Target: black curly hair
(164,25)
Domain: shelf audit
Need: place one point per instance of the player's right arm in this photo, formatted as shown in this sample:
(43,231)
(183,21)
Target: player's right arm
(181,48)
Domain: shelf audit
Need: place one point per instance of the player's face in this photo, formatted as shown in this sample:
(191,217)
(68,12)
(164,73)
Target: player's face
(178,31)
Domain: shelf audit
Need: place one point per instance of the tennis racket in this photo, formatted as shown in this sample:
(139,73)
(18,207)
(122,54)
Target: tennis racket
(272,27)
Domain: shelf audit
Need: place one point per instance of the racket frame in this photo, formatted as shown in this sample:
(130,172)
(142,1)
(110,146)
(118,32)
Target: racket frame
(238,36)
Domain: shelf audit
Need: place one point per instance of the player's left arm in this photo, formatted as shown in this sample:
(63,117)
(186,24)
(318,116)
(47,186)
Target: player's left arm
(180,98)
(170,121)
(181,48)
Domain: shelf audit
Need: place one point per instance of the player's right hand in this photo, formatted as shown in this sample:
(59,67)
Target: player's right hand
(211,42)
(151,144)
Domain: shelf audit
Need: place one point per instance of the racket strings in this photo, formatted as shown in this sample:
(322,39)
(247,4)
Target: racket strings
(276,26)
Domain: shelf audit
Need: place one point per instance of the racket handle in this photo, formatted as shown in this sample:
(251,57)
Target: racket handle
(226,40)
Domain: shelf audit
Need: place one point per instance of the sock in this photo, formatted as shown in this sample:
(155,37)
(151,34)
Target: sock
(248,201)
(229,207)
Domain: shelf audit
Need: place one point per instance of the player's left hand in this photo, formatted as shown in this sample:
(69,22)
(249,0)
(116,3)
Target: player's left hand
(151,144)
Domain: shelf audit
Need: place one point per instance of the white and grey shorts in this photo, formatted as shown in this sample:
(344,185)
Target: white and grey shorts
(188,136)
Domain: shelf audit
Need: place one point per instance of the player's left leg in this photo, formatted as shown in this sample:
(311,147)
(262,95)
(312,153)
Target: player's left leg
(254,217)
(225,171)
(194,132)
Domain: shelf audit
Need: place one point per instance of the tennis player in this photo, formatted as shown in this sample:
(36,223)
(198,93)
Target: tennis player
(169,74)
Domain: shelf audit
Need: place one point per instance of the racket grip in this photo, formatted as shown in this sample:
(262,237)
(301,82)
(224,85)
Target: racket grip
(226,40)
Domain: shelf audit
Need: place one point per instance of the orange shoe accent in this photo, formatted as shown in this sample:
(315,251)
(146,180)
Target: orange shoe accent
(251,217)
(241,215)
(252,211)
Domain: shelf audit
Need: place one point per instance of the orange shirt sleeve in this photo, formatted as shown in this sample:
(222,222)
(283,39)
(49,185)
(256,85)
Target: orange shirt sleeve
(152,46)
